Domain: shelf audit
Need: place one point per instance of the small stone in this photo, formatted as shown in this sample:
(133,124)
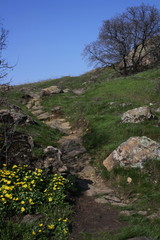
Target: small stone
(50,90)
(126,213)
(101,200)
(31,218)
(144,213)
(129,180)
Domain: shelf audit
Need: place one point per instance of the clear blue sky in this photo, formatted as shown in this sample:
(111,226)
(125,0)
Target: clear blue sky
(47,37)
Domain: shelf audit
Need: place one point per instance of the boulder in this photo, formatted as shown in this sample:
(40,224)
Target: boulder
(50,90)
(137,115)
(133,153)
(52,160)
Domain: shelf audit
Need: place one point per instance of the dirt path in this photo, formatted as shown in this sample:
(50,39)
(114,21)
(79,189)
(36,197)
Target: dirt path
(91,212)
(91,217)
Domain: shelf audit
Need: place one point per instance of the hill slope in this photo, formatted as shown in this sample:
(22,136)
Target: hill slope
(92,106)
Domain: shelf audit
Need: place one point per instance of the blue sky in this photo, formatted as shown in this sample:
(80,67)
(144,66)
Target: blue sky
(47,37)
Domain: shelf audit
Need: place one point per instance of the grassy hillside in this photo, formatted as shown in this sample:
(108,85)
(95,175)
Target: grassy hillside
(100,107)
(98,110)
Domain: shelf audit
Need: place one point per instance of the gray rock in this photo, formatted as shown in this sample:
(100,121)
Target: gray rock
(31,218)
(67,90)
(52,160)
(137,115)
(133,153)
(125,104)
(158,110)
(72,148)
(50,90)
(78,91)
(43,116)
(59,124)
(57,109)
(126,213)
(37,112)
(154,215)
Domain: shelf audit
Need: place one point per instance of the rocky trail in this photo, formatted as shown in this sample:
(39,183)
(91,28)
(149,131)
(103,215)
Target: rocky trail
(94,206)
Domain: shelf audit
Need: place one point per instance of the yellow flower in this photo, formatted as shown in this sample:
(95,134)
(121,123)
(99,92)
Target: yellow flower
(51,226)
(16,199)
(31,201)
(15,166)
(22,202)
(65,231)
(39,230)
(8,196)
(41,224)
(33,233)
(50,199)
(65,220)
(22,209)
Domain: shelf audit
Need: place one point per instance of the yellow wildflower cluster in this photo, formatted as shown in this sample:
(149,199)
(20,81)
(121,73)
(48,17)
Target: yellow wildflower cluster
(22,189)
(49,229)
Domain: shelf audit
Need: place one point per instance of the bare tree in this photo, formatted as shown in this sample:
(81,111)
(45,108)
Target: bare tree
(4,66)
(128,42)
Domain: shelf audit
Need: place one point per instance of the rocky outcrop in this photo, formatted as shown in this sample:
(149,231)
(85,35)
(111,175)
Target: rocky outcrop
(133,153)
(14,116)
(137,115)
(50,90)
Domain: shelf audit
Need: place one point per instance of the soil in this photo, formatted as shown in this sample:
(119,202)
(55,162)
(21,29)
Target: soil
(91,217)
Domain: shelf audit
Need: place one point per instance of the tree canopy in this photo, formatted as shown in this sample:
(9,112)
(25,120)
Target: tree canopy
(128,42)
